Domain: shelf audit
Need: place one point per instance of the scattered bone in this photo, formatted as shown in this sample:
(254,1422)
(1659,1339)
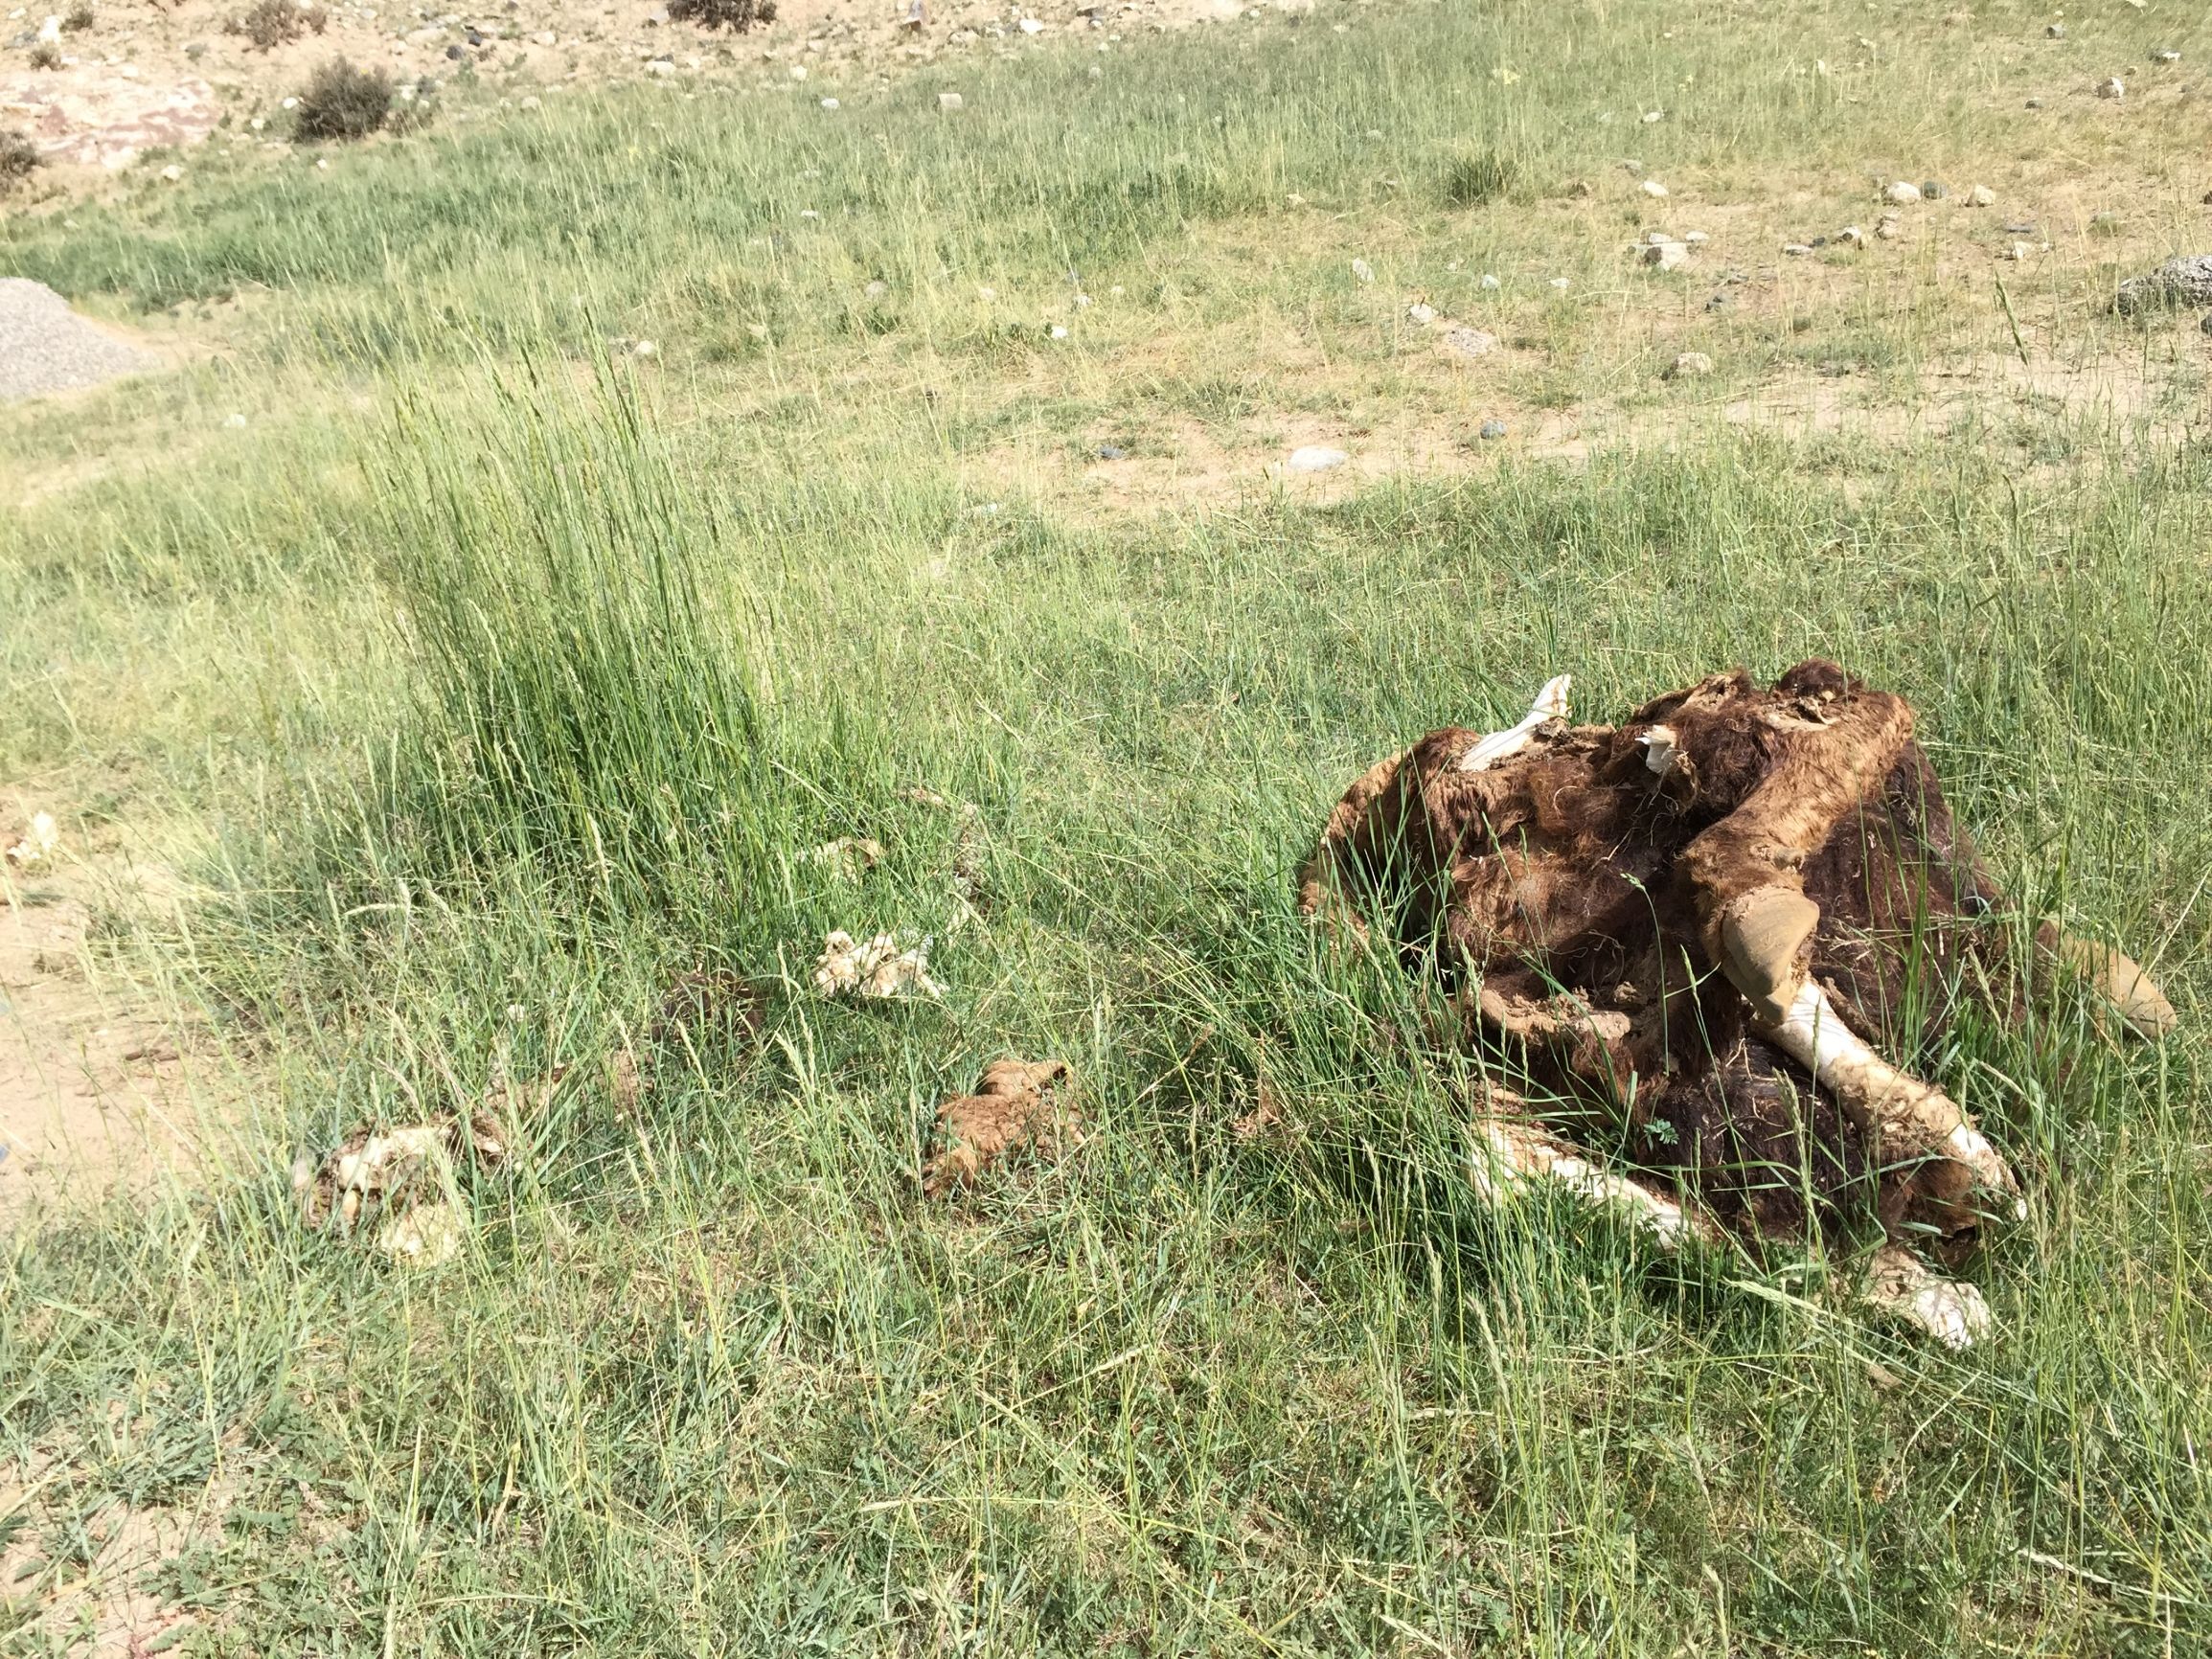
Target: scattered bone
(423,1235)
(1551,704)
(2142,1007)
(878,968)
(406,1174)
(38,842)
(1515,1154)
(1902,1286)
(849,857)
(1016,1107)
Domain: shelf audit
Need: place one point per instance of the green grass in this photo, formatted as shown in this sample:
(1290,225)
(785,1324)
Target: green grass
(489,684)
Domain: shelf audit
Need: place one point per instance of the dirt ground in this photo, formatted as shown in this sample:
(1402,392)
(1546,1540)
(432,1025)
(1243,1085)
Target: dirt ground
(97,1089)
(141,76)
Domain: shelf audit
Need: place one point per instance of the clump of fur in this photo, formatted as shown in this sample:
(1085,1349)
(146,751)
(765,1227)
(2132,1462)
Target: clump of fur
(342,103)
(735,15)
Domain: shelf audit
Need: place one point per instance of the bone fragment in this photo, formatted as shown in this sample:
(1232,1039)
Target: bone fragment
(1516,1155)
(1908,1116)
(1901,1285)
(1660,749)
(1551,704)
(2142,1007)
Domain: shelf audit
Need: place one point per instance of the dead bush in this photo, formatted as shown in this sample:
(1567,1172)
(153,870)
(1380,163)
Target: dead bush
(46,55)
(343,102)
(268,24)
(19,158)
(735,15)
(77,18)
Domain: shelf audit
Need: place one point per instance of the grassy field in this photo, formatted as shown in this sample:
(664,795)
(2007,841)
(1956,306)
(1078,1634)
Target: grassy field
(491,683)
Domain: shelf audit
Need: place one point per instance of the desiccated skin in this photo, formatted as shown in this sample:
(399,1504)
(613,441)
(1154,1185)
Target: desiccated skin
(1699,928)
(1016,1107)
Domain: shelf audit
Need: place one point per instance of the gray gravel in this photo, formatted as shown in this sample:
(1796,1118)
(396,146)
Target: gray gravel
(46,347)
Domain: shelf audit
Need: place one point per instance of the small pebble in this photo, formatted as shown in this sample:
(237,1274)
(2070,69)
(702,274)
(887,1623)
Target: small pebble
(877,289)
(234,420)
(1559,284)
(1316,458)
(2035,103)
(1981,195)
(1889,227)
(1669,256)
(829,104)
(2112,88)
(1797,250)
(1364,271)
(1493,285)
(2055,32)
(173,172)
(644,349)
(1695,238)
(2166,56)
(1692,363)
(2020,228)
(798,72)
(950,101)
(1491,430)
(1111,453)
(1420,313)
(1851,236)
(1903,193)
(1653,187)
(1059,331)
(1031,26)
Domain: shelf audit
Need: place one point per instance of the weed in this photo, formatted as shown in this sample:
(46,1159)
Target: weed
(342,102)
(268,24)
(735,15)
(45,55)
(19,157)
(79,18)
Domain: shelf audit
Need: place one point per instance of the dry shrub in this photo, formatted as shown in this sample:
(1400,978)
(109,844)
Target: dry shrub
(735,15)
(46,55)
(77,18)
(343,102)
(19,158)
(268,24)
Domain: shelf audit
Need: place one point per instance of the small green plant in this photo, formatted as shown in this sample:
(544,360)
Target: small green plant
(19,158)
(735,15)
(1474,179)
(77,18)
(268,24)
(343,102)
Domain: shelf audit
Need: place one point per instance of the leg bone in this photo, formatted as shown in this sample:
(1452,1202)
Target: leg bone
(1551,704)
(1512,1156)
(1901,1285)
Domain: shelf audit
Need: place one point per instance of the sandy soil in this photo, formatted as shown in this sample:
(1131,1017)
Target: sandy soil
(149,75)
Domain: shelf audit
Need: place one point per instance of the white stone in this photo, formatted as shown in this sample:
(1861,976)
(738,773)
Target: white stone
(950,101)
(798,72)
(1695,238)
(173,172)
(1316,458)
(1981,195)
(1031,26)
(1491,283)
(1889,227)
(1691,363)
(1420,313)
(2112,88)
(1559,284)
(530,103)
(1851,236)
(1668,256)
(1364,271)
(660,66)
(829,104)
(1653,187)
(1903,193)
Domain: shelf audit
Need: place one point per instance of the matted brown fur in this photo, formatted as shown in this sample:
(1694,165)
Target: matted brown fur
(1579,898)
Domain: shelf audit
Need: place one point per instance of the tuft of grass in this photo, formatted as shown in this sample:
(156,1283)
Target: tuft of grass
(268,24)
(1475,180)
(19,157)
(735,15)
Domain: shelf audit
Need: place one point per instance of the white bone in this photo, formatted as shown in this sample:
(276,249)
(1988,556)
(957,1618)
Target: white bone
(1901,1285)
(1814,1036)
(1660,749)
(1551,704)
(1513,1155)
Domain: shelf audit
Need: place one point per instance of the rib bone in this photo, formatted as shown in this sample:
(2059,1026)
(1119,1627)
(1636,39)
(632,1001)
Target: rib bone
(1513,1155)
(1551,704)
(1901,1285)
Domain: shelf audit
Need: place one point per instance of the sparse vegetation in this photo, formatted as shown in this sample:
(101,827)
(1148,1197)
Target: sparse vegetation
(735,15)
(491,709)
(268,24)
(1472,180)
(19,157)
(45,55)
(342,102)
(79,18)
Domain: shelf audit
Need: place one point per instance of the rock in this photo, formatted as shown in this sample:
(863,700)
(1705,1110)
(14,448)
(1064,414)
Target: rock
(546,37)
(1797,250)
(1491,431)
(2017,251)
(1695,238)
(2165,57)
(1466,342)
(1491,284)
(1668,256)
(947,101)
(2182,282)
(830,104)
(1316,458)
(1364,271)
(1889,227)
(2112,88)
(1690,364)
(798,72)
(1031,26)
(2055,32)
(1653,115)
(1559,284)
(644,349)
(1420,313)
(1851,236)
(530,104)
(1720,300)
(173,172)
(2035,103)
(877,289)
(1903,193)
(1112,452)
(2020,228)
(2207,198)
(1653,187)
(1981,195)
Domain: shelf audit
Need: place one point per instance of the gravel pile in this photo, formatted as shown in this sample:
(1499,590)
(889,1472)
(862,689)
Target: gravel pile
(46,347)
